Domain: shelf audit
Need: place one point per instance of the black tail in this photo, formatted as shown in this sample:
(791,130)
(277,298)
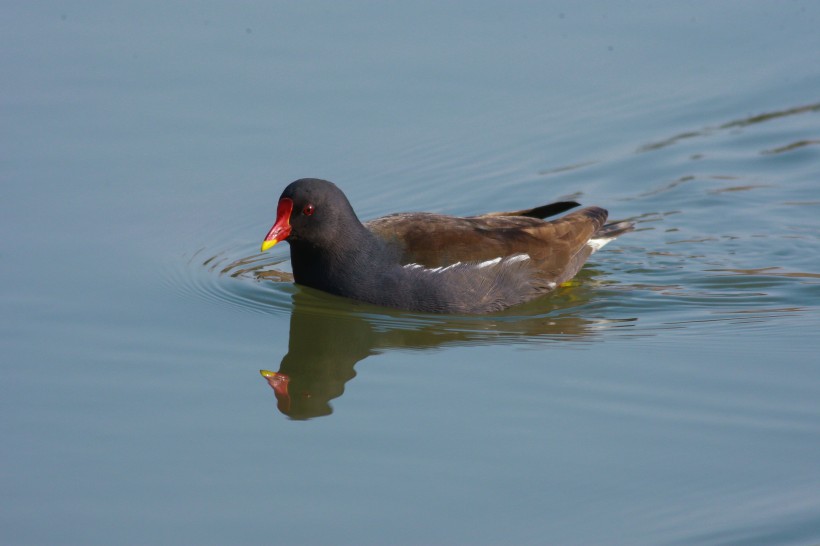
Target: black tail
(545,211)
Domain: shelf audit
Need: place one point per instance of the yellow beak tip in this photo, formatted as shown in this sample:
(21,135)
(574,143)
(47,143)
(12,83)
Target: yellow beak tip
(268,244)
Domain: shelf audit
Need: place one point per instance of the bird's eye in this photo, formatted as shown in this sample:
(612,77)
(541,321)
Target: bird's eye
(308,210)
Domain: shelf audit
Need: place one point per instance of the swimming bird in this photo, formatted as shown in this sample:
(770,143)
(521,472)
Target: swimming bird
(434,263)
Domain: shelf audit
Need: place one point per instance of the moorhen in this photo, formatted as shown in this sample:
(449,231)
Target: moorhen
(434,263)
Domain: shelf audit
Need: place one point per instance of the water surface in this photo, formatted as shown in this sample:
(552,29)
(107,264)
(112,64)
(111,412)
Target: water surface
(668,396)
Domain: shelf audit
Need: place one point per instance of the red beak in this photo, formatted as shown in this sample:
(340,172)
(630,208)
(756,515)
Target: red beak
(281,229)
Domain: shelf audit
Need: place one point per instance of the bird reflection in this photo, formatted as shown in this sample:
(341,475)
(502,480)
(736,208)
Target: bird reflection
(326,343)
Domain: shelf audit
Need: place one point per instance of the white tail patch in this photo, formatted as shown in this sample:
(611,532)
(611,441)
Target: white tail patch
(598,244)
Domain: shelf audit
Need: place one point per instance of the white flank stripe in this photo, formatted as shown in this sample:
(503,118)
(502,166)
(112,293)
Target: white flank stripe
(480,265)
(518,258)
(488,263)
(438,269)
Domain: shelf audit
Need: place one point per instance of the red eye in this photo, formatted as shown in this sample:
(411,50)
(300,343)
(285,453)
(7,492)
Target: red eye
(308,210)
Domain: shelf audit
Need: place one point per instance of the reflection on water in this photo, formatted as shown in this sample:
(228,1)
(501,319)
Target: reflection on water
(325,343)
(322,350)
(683,267)
(670,396)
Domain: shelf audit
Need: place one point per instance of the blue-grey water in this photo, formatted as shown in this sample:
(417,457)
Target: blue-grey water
(671,395)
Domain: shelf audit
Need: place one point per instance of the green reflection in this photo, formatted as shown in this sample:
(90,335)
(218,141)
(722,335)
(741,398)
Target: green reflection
(329,335)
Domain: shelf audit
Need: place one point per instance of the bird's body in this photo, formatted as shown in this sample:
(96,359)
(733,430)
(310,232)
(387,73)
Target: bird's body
(430,262)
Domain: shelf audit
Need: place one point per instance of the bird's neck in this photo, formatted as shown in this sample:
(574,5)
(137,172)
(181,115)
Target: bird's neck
(348,266)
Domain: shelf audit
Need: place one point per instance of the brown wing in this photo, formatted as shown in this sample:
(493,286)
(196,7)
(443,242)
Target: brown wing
(414,232)
(432,240)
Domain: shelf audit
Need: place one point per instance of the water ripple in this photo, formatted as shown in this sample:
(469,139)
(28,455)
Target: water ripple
(697,256)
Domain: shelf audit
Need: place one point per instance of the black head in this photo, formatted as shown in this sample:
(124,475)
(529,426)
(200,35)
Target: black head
(314,211)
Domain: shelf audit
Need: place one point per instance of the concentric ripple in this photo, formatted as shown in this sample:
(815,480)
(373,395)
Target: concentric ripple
(262,283)
(232,276)
(697,256)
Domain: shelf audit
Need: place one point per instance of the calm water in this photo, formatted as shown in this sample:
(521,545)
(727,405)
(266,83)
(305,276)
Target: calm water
(670,396)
